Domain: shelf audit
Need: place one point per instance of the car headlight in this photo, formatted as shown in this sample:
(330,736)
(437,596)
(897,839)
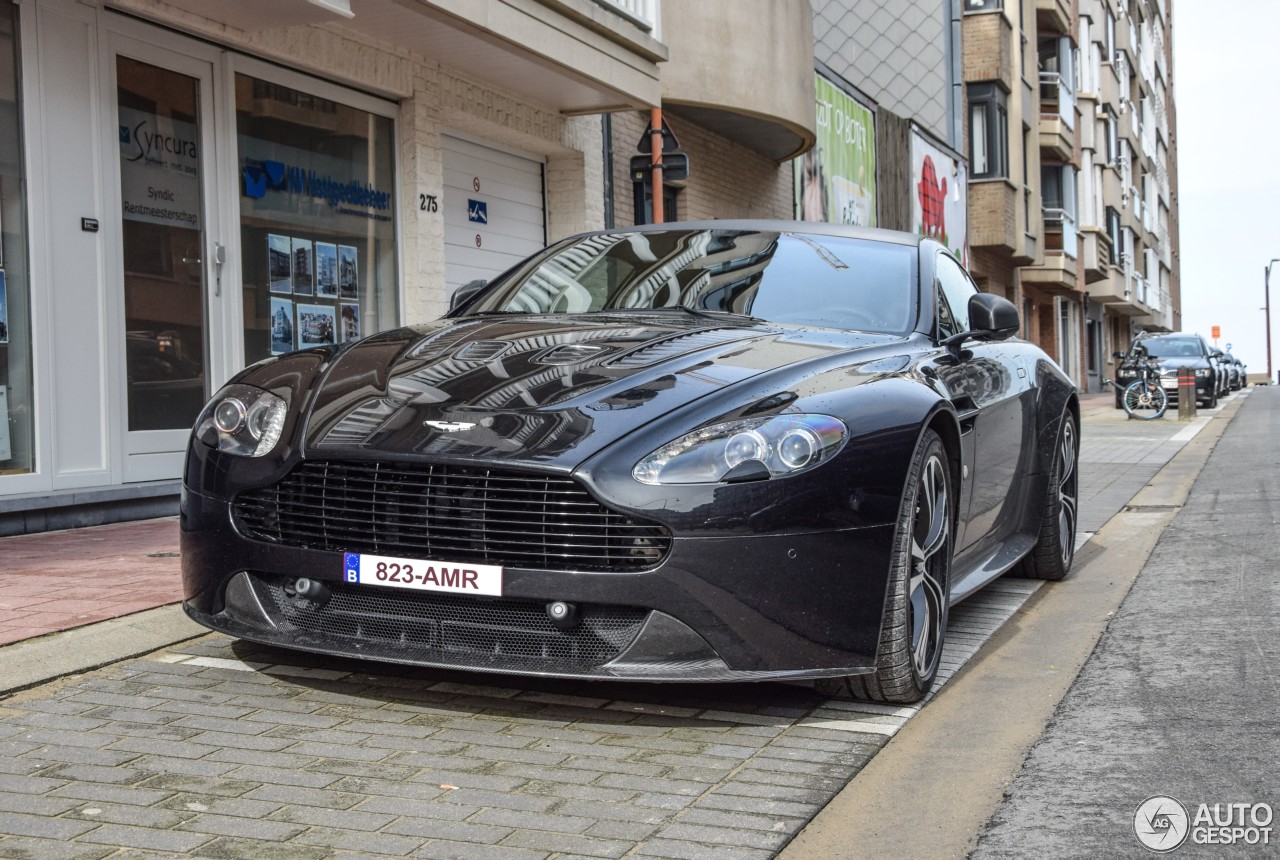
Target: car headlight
(753,448)
(1204,371)
(242,420)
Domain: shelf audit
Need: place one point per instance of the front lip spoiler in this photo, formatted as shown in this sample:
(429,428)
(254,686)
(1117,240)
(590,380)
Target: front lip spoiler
(635,664)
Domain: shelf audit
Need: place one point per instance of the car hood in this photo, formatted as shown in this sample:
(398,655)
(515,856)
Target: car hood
(1174,362)
(551,389)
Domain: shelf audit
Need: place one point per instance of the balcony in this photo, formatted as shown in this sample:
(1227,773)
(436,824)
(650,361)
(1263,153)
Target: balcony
(1060,233)
(573,56)
(989,50)
(744,70)
(997,228)
(1057,117)
(1053,16)
(1116,292)
(1160,319)
(1096,254)
(1058,273)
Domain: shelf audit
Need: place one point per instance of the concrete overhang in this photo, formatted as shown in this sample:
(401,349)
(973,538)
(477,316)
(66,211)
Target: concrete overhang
(744,70)
(574,56)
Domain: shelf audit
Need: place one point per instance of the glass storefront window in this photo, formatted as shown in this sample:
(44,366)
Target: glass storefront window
(17,447)
(317,219)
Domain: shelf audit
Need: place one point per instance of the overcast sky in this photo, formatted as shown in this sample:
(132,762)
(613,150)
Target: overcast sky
(1226,69)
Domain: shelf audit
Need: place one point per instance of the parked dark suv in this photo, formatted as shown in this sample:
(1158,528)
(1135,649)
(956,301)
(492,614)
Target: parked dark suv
(1174,350)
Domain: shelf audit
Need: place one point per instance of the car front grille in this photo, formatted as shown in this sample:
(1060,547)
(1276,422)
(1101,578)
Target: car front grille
(449,513)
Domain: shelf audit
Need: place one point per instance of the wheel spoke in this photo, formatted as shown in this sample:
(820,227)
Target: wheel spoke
(1067,493)
(1068,452)
(928,565)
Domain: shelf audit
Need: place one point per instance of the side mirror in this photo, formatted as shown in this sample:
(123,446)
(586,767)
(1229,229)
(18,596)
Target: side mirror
(464,293)
(1118,355)
(992,317)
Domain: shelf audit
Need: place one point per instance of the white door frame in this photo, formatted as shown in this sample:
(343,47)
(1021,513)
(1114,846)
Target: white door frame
(158,454)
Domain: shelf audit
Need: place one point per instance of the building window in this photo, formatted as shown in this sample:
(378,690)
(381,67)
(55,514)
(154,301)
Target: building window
(1109,46)
(983,5)
(317,219)
(1114,234)
(988,131)
(1112,135)
(17,448)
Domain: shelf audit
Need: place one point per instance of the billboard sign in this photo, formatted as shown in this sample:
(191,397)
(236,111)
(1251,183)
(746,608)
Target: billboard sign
(835,181)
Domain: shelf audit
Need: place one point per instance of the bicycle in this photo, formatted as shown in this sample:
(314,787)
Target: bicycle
(1145,398)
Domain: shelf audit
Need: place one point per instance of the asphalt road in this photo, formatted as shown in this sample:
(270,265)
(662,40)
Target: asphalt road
(1182,695)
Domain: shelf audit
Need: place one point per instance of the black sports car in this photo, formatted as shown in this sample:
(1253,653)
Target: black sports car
(687,452)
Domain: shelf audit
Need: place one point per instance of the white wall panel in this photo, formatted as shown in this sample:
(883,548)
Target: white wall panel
(68,81)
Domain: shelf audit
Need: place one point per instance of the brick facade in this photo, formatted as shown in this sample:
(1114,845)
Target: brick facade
(725,180)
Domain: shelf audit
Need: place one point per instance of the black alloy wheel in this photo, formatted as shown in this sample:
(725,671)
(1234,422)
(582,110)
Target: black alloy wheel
(918,596)
(1054,552)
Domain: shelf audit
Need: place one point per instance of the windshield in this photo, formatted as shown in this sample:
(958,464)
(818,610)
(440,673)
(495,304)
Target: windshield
(1174,346)
(790,278)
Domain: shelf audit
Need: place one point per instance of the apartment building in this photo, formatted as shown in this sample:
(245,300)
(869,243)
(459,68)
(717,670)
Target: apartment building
(1128,172)
(1073,207)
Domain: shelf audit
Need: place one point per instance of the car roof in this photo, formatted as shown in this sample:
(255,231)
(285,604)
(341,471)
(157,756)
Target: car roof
(816,228)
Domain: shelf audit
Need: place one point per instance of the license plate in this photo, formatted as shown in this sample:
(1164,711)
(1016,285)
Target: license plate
(422,575)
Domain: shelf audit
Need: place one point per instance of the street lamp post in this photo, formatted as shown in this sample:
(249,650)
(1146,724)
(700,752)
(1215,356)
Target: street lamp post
(1266,283)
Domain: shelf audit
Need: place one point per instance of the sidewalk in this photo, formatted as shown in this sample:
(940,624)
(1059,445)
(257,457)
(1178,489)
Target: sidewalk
(59,580)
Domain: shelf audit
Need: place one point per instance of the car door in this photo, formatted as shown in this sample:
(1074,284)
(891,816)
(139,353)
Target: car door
(990,388)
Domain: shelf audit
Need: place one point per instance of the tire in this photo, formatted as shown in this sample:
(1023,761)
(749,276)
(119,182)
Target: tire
(1145,400)
(916,602)
(1055,548)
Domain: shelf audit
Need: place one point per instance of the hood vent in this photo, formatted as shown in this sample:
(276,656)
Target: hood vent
(570,353)
(481,351)
(680,344)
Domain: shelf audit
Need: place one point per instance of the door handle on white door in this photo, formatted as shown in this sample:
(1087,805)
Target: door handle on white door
(219,257)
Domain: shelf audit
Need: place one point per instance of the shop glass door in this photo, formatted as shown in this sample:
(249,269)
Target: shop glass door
(169,261)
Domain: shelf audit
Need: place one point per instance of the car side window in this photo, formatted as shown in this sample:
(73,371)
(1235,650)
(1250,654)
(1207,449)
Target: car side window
(954,291)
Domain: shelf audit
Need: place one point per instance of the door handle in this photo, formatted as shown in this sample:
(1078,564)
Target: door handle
(219,257)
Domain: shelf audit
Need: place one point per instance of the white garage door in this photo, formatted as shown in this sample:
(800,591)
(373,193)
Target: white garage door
(493,211)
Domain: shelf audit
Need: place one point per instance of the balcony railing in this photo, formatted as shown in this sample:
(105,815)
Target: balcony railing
(642,13)
(1055,91)
(1059,221)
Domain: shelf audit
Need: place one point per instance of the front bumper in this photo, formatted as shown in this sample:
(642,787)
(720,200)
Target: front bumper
(717,609)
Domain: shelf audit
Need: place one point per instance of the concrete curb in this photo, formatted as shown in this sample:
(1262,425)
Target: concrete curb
(37,661)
